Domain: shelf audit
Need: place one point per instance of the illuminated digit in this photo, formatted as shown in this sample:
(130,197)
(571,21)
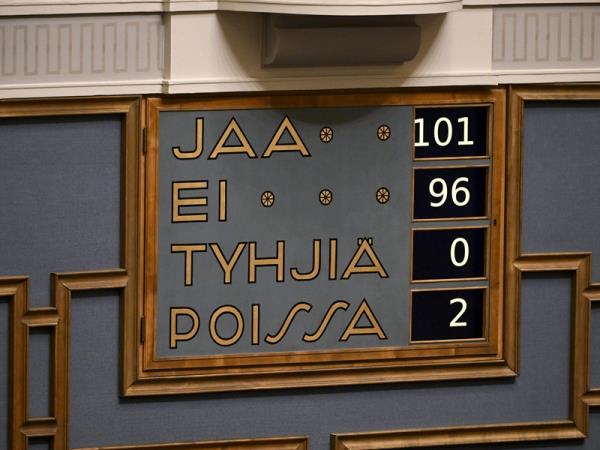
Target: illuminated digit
(465,258)
(465,139)
(456,189)
(421,126)
(454,322)
(443,193)
(436,135)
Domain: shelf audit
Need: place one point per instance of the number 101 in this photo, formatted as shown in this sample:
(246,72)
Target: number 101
(451,132)
(442,132)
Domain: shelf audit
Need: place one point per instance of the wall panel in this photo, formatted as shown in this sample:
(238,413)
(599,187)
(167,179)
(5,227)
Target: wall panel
(560,179)
(60,196)
(76,226)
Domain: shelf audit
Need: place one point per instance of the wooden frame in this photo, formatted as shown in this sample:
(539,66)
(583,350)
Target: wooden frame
(57,316)
(278,443)
(439,361)
(592,295)
(584,292)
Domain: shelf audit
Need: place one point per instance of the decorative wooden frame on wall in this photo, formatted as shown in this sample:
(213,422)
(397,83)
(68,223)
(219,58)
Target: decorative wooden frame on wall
(283,443)
(584,292)
(56,317)
(493,357)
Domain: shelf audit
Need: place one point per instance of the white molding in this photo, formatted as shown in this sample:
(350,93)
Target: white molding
(71,49)
(220,52)
(82,89)
(191,5)
(526,2)
(76,7)
(327,7)
(323,83)
(549,37)
(215,85)
(342,7)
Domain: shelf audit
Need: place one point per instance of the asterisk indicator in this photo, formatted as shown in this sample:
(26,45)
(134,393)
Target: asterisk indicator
(382,195)
(325,197)
(267,199)
(383,133)
(326,134)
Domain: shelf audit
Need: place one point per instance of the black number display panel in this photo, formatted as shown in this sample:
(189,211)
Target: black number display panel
(451,132)
(446,254)
(447,314)
(450,193)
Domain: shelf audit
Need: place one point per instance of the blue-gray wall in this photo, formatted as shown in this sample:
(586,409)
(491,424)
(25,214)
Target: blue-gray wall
(66,218)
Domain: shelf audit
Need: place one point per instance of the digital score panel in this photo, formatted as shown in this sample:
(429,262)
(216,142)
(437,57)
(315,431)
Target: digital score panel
(459,133)
(449,192)
(449,254)
(314,243)
(447,314)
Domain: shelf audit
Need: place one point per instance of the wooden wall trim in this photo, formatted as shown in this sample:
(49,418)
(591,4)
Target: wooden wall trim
(56,317)
(592,295)
(15,288)
(159,376)
(275,443)
(479,434)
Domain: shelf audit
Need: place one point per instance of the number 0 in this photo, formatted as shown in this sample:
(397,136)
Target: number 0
(465,245)
(463,303)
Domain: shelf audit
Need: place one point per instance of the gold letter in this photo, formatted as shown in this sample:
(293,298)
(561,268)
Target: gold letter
(244,147)
(340,304)
(227,309)
(353,329)
(332,259)
(255,323)
(316,266)
(227,266)
(374,267)
(302,306)
(296,146)
(199,143)
(178,202)
(277,261)
(222,200)
(189,250)
(174,335)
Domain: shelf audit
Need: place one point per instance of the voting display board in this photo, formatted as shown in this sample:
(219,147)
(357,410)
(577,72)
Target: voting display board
(328,239)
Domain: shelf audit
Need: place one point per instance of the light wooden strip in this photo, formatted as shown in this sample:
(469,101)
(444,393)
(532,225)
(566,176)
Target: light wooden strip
(41,317)
(40,427)
(479,434)
(282,443)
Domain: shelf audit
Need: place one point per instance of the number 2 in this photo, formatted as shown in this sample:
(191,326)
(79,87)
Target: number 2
(454,322)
